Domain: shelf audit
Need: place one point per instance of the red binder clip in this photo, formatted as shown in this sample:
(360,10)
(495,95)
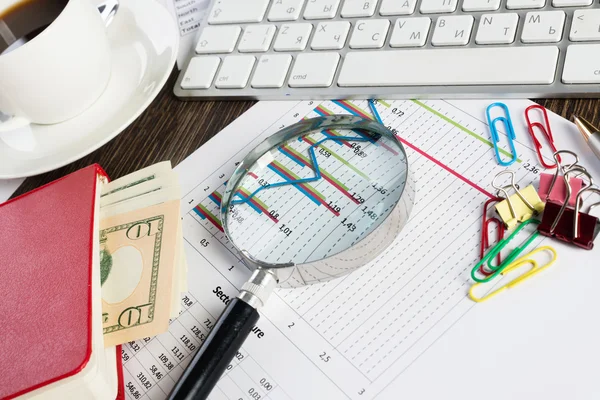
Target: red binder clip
(568,224)
(554,189)
(485,231)
(544,127)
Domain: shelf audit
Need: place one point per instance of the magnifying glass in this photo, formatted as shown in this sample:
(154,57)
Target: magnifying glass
(339,192)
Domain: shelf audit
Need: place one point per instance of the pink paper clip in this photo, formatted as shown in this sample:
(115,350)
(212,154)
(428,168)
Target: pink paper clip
(546,131)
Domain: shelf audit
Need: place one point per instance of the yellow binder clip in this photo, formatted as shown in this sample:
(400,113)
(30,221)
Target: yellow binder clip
(525,260)
(519,207)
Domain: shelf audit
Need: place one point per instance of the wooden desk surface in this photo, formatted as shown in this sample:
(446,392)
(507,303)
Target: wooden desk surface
(171,130)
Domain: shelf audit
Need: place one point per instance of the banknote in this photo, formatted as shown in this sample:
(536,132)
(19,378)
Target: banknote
(138,251)
(151,185)
(152,173)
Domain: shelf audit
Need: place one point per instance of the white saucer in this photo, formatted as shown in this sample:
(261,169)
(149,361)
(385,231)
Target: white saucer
(144,39)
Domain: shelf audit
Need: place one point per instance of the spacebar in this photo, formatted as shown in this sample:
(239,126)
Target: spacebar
(473,66)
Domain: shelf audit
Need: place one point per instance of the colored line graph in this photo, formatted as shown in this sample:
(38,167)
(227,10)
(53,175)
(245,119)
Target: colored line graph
(305,189)
(216,198)
(436,161)
(303,161)
(297,180)
(355,110)
(322,111)
(444,166)
(333,134)
(373,108)
(203,213)
(336,156)
(243,193)
(256,204)
(462,128)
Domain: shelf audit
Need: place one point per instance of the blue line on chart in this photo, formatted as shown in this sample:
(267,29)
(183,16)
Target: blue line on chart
(315,163)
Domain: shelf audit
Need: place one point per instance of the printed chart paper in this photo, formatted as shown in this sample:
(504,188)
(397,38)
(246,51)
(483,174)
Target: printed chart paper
(189,15)
(402,326)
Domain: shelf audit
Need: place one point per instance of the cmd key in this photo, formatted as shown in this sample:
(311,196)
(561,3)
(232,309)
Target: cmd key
(314,70)
(582,64)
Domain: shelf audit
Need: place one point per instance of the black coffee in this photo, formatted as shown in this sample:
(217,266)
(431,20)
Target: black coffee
(27,19)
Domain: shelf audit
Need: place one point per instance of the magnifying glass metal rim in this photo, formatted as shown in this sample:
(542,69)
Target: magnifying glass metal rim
(298,129)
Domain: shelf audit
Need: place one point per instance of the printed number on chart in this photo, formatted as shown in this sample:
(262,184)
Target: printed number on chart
(324,357)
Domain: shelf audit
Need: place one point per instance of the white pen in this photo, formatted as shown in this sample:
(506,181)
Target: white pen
(590,133)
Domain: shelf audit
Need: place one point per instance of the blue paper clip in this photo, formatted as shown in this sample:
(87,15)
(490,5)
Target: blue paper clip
(510,132)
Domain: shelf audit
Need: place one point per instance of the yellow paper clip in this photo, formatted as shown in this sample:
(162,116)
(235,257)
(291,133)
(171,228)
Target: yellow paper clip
(535,268)
(519,207)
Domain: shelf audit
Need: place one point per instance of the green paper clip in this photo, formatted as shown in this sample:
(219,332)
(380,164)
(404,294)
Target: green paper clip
(489,257)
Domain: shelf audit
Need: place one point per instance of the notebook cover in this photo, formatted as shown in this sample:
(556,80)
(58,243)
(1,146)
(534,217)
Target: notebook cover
(46,247)
(121,379)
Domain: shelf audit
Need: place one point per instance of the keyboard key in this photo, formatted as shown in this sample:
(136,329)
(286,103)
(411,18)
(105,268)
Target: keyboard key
(571,3)
(237,11)
(235,72)
(321,9)
(271,71)
(369,33)
(410,32)
(314,70)
(292,37)
(257,38)
(520,4)
(200,72)
(452,31)
(586,25)
(218,39)
(582,64)
(481,5)
(467,66)
(438,6)
(543,27)
(285,10)
(499,28)
(358,8)
(396,7)
(330,35)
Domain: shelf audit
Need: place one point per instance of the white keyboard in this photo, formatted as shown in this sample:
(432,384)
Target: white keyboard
(316,49)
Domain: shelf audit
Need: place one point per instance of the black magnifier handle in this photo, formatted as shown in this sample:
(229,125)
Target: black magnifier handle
(217,351)
(225,339)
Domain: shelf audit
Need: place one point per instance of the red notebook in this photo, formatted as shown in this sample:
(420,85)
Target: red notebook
(50,310)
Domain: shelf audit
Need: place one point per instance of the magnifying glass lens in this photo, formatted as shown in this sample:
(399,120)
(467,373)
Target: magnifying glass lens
(315,195)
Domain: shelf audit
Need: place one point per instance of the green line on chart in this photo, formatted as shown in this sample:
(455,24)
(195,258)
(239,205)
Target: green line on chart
(387,105)
(340,159)
(459,126)
(310,165)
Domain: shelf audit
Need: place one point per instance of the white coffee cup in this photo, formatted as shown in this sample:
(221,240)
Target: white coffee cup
(59,73)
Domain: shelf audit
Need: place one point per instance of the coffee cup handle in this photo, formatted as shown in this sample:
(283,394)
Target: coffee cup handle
(12,123)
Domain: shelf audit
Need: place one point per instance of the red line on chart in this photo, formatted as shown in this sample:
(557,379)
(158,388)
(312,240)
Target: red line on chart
(257,205)
(444,166)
